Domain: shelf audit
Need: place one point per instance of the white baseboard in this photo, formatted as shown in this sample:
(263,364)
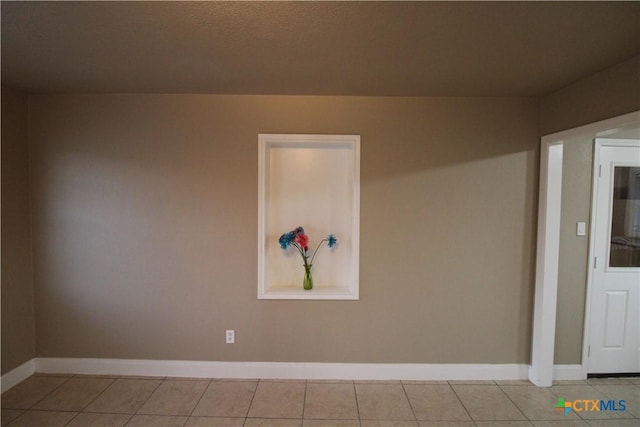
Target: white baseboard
(17,375)
(568,372)
(273,370)
(282,370)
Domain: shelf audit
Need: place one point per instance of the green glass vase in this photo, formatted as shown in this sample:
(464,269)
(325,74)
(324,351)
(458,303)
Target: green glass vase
(307,282)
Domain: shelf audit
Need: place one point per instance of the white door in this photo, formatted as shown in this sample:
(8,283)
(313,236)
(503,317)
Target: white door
(614,316)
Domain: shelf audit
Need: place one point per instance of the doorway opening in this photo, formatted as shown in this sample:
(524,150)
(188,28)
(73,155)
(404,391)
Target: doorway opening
(543,370)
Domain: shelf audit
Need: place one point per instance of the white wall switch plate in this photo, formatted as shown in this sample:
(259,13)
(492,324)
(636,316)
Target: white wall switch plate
(581,229)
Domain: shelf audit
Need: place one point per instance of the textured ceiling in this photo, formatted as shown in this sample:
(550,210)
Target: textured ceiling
(323,48)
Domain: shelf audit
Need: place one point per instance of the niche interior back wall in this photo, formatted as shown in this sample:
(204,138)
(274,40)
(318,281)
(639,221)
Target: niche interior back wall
(144,211)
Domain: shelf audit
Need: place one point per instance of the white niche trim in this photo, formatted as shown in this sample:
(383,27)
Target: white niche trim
(311,181)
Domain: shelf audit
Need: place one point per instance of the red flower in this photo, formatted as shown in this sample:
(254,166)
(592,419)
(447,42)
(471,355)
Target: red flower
(302,240)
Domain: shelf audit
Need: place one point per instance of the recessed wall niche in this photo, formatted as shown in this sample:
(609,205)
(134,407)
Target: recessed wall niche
(312,181)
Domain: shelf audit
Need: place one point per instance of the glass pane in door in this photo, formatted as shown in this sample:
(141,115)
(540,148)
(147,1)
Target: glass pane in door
(625,218)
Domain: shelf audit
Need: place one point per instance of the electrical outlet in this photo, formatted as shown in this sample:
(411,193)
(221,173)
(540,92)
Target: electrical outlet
(231,336)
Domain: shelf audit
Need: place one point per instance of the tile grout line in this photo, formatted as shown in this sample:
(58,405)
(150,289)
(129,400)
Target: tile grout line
(514,404)
(355,393)
(304,402)
(161,380)
(22,411)
(137,412)
(99,394)
(406,396)
(48,394)
(255,390)
(461,403)
(198,402)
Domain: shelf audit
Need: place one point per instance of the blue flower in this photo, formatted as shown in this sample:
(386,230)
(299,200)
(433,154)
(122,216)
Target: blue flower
(331,240)
(285,240)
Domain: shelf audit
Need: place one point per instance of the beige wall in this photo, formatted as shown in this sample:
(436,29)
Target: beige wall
(145,222)
(610,93)
(572,271)
(17,276)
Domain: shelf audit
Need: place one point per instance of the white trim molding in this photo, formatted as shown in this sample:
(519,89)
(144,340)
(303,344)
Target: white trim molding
(282,370)
(546,293)
(17,375)
(310,181)
(568,372)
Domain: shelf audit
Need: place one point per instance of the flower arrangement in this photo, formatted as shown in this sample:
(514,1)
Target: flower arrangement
(299,240)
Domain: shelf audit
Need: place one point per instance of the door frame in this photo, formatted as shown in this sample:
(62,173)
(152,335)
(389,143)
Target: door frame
(603,142)
(548,244)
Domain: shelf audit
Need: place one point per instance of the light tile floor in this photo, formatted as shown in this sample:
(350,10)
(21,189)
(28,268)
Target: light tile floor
(78,401)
